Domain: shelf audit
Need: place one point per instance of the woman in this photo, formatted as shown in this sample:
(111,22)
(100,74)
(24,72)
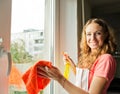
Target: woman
(96,60)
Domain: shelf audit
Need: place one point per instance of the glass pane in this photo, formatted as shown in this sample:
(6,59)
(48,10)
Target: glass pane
(27,40)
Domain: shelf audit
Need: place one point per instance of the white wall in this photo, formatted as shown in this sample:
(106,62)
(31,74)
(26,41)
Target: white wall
(65,35)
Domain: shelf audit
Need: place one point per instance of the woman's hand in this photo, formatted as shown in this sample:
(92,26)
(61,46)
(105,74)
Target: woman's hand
(51,73)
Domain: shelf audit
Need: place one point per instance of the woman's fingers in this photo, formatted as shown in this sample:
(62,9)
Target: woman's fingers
(46,72)
(46,68)
(42,75)
(42,72)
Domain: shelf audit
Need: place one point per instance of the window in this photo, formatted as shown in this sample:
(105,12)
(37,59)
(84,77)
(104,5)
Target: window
(29,39)
(47,40)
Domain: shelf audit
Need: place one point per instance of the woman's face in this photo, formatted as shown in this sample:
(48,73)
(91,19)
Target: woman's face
(95,36)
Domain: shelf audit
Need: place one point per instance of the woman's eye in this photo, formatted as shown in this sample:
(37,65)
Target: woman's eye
(98,33)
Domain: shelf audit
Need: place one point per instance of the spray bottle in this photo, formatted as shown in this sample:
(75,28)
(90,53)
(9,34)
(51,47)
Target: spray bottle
(67,67)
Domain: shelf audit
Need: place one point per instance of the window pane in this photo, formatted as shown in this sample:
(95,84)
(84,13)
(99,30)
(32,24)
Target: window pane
(27,40)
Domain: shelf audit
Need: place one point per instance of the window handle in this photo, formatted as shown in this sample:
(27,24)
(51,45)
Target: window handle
(9,63)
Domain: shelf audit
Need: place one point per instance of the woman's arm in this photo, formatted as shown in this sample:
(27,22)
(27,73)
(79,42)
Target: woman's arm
(96,86)
(55,74)
(70,88)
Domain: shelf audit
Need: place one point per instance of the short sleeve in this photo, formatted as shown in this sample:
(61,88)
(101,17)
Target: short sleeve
(105,67)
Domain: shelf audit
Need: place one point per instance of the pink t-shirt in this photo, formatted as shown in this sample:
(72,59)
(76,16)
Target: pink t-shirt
(104,66)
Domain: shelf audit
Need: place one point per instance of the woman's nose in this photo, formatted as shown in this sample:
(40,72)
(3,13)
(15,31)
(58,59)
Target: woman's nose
(93,37)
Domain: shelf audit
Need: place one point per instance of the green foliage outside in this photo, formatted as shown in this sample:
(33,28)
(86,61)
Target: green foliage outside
(19,53)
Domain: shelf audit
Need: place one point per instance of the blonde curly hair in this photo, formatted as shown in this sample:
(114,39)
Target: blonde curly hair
(86,57)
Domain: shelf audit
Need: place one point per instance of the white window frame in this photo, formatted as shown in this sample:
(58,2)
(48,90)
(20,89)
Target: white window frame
(5,20)
(65,36)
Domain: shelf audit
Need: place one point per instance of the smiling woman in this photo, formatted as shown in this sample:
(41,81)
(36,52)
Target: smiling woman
(96,65)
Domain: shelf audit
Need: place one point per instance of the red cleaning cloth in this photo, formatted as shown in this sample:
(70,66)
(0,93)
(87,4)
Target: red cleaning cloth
(33,83)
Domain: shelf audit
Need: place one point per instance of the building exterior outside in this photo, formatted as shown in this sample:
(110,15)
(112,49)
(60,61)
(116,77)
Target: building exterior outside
(34,41)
